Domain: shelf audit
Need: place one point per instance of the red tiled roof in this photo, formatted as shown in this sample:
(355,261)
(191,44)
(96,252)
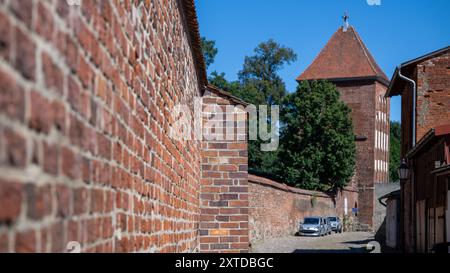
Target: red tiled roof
(344,57)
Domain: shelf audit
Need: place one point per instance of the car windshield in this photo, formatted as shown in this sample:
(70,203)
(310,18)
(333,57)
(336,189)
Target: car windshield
(333,219)
(311,221)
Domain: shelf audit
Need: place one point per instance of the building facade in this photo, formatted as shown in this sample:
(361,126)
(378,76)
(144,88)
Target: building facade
(425,145)
(346,62)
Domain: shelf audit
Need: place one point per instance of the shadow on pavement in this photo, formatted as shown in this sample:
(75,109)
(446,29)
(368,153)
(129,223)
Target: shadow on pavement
(360,242)
(351,250)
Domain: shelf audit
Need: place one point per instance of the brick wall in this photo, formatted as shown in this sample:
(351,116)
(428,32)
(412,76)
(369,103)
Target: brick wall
(360,97)
(85,100)
(382,134)
(433,91)
(277,209)
(224,191)
(433,94)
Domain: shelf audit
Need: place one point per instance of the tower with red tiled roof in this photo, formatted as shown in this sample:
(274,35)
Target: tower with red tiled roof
(346,62)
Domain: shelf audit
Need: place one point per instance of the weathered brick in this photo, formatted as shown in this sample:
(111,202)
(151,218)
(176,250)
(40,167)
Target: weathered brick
(25,61)
(51,157)
(57,237)
(10,200)
(63,201)
(71,163)
(39,113)
(5,37)
(53,76)
(44,24)
(39,203)
(80,201)
(15,145)
(25,242)
(4,242)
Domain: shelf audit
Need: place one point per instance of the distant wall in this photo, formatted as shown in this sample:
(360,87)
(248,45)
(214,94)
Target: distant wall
(276,209)
(380,210)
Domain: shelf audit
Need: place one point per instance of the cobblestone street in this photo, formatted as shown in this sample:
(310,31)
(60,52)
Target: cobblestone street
(349,242)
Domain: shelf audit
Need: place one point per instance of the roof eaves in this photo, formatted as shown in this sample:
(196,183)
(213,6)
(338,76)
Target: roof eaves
(233,98)
(390,92)
(424,141)
(190,16)
(344,79)
(444,170)
(426,56)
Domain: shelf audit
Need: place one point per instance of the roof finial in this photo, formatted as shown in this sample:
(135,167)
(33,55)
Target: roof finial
(346,24)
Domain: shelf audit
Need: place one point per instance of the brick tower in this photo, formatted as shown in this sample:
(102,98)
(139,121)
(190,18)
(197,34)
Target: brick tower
(346,62)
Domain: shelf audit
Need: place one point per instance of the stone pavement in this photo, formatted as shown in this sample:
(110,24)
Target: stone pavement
(348,242)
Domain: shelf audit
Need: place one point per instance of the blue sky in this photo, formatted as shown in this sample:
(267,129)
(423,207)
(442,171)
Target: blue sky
(395,31)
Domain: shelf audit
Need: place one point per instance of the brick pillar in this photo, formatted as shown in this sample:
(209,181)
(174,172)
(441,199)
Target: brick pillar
(224,188)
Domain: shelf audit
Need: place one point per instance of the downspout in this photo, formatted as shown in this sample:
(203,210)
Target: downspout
(414,103)
(412,200)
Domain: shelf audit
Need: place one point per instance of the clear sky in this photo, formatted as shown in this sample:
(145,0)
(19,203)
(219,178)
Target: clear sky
(395,31)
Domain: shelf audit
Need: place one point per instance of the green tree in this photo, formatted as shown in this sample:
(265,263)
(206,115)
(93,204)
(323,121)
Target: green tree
(209,51)
(394,150)
(318,144)
(260,71)
(260,84)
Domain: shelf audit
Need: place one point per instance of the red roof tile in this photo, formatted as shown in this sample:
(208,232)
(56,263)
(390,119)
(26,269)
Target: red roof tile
(344,57)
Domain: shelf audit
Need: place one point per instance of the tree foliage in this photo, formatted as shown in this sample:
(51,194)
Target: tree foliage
(259,84)
(260,71)
(394,151)
(209,51)
(317,148)
(318,144)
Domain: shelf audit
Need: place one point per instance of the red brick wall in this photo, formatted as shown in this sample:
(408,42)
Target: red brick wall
(224,192)
(85,102)
(360,96)
(433,94)
(382,127)
(276,209)
(433,103)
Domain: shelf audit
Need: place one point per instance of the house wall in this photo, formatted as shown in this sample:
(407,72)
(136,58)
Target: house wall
(430,194)
(392,223)
(433,101)
(433,93)
(380,211)
(85,108)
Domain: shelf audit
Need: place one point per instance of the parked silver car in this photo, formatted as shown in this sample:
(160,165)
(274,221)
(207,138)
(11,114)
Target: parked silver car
(326,226)
(312,226)
(336,224)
